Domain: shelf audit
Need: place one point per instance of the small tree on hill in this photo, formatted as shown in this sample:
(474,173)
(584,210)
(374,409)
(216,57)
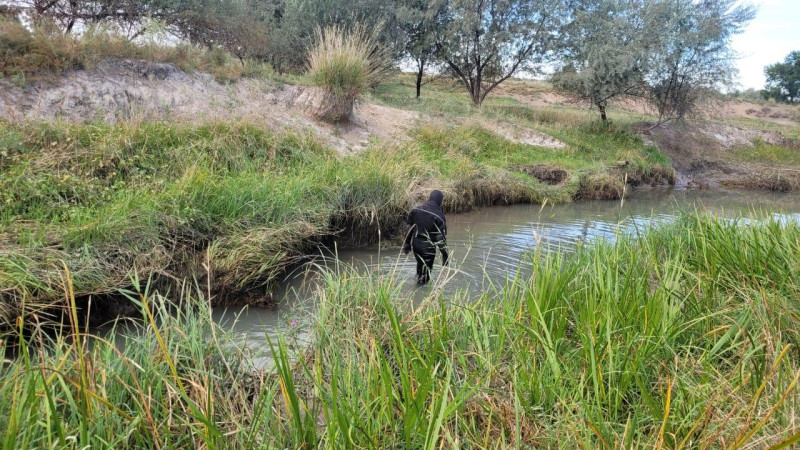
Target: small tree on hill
(605,50)
(419,21)
(783,79)
(693,54)
(485,42)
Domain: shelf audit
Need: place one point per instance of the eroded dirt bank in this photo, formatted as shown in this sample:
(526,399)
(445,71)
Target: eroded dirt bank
(705,156)
(133,90)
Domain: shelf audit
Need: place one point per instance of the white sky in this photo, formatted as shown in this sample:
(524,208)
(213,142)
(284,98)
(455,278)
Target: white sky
(768,39)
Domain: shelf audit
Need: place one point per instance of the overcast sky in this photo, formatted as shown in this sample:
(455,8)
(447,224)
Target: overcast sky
(768,39)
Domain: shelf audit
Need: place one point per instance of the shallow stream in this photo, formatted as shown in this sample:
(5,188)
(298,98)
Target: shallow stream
(490,244)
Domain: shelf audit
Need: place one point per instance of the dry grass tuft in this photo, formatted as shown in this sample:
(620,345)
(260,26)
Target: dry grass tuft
(346,62)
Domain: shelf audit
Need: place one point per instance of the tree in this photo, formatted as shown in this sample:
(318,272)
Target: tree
(419,21)
(693,54)
(485,42)
(783,79)
(128,15)
(296,21)
(605,51)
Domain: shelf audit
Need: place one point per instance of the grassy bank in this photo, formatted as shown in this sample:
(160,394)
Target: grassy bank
(685,338)
(233,205)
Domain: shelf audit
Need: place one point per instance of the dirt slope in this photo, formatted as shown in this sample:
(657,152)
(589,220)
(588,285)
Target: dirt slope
(141,90)
(702,155)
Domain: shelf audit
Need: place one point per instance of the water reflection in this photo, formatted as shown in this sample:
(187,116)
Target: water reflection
(491,244)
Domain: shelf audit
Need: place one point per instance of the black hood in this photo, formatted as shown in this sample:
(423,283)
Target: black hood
(436,198)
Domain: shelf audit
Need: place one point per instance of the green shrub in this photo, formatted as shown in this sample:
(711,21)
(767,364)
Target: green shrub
(346,62)
(46,51)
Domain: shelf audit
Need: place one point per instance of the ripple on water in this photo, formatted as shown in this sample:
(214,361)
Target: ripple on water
(491,244)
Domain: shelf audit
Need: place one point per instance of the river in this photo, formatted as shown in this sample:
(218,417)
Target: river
(489,244)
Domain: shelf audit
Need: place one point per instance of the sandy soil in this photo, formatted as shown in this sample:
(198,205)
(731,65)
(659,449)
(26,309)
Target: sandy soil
(531,96)
(140,90)
(780,114)
(701,155)
(520,135)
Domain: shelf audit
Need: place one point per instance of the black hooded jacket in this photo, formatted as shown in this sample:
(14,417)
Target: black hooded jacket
(429,221)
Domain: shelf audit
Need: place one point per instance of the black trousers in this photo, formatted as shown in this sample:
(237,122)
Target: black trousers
(425,254)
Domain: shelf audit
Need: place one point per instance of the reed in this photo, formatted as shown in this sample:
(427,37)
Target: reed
(346,62)
(683,337)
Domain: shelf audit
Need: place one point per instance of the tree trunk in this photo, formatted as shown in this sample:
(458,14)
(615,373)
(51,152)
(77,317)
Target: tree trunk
(602,108)
(420,72)
(477,98)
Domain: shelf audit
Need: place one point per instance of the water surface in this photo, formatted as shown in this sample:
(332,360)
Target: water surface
(490,244)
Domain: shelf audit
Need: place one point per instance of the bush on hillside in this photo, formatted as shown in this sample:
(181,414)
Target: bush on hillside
(45,51)
(344,63)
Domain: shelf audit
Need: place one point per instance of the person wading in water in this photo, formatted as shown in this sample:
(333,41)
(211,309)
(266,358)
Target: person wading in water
(427,233)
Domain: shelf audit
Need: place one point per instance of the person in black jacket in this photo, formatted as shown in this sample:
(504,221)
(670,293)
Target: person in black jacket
(427,233)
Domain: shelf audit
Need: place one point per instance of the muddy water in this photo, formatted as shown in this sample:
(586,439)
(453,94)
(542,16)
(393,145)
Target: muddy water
(491,244)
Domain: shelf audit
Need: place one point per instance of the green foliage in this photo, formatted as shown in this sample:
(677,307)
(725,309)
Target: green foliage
(606,49)
(157,198)
(294,24)
(238,26)
(783,79)
(692,56)
(45,52)
(672,52)
(766,153)
(486,42)
(420,22)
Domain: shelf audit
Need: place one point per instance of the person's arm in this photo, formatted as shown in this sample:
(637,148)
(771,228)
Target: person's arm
(410,218)
(410,232)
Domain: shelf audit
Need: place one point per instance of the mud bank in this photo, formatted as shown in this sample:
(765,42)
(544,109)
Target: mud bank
(707,156)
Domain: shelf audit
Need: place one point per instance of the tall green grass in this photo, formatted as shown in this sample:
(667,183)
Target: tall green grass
(684,338)
(173,380)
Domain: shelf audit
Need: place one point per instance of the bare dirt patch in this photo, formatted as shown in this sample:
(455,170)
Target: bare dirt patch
(521,135)
(134,90)
(382,122)
(702,156)
(780,114)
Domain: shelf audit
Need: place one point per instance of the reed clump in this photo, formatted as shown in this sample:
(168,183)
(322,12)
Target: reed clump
(346,62)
